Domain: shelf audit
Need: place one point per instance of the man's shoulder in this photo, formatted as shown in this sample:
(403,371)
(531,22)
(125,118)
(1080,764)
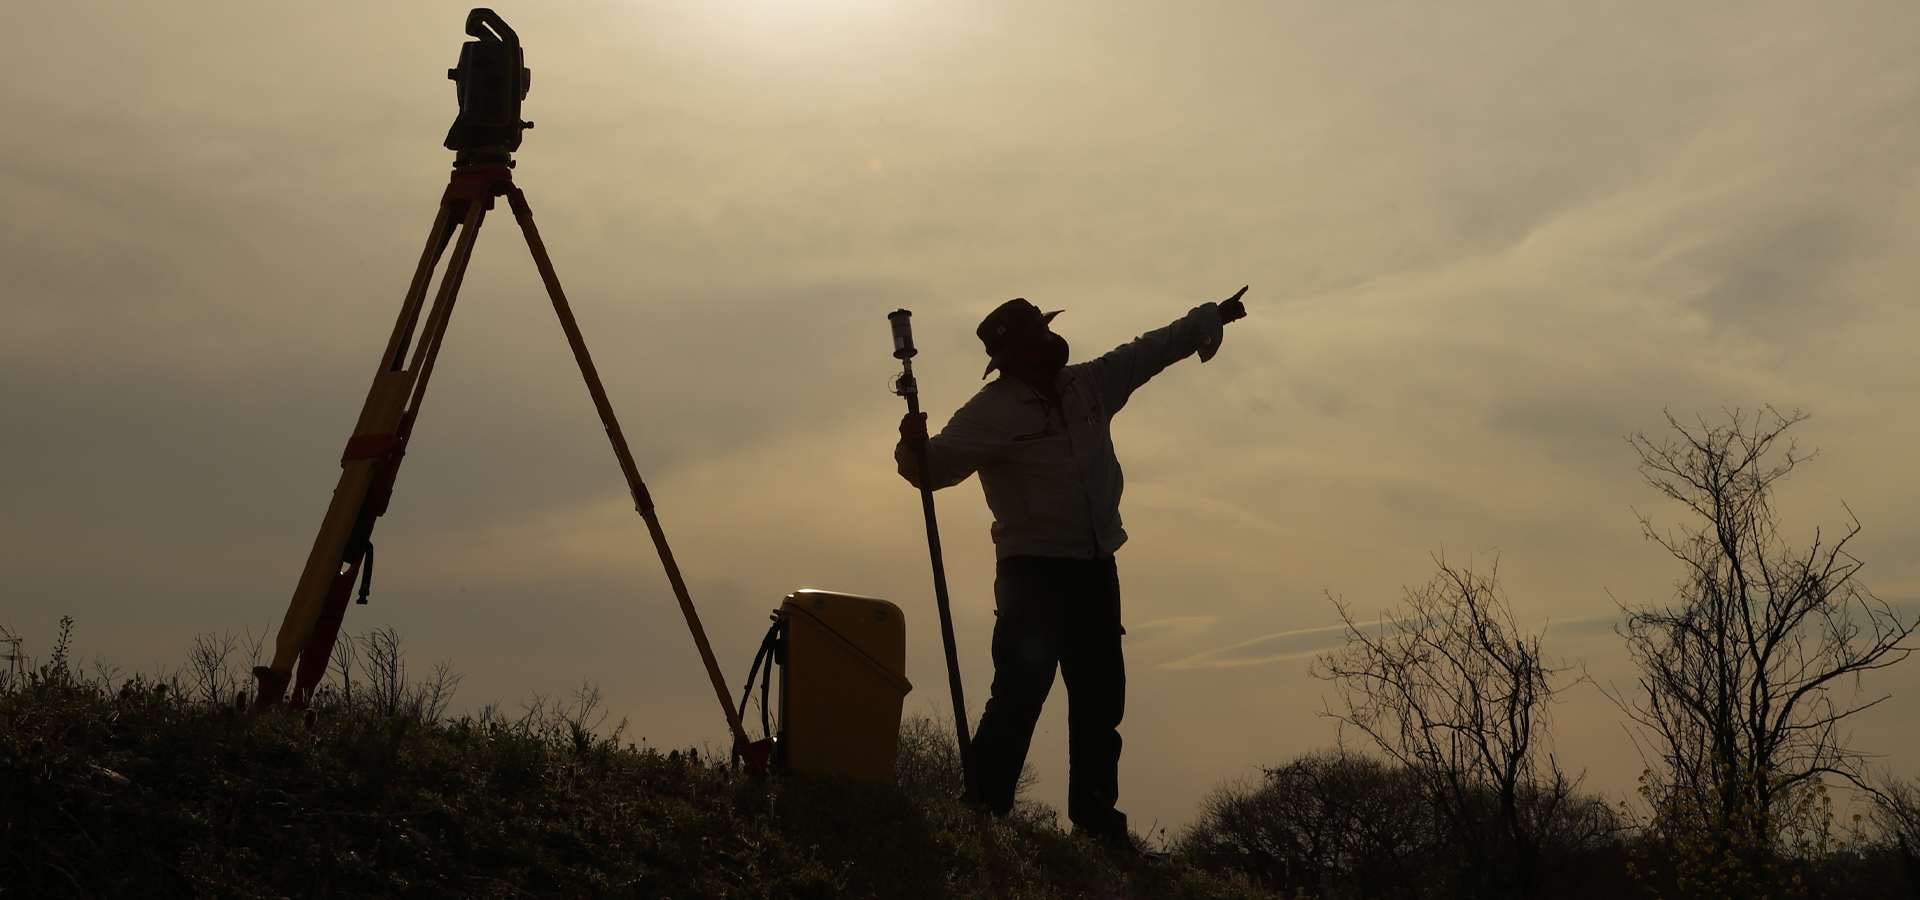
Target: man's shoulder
(1004,389)
(1085,376)
(993,398)
(1088,367)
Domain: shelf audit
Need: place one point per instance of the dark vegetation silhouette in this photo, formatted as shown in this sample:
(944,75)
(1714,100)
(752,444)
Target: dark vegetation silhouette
(1896,819)
(1449,689)
(1746,677)
(1337,824)
(166,785)
(1749,673)
(144,787)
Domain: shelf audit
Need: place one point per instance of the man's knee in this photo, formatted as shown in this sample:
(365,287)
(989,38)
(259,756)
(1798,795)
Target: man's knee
(1013,710)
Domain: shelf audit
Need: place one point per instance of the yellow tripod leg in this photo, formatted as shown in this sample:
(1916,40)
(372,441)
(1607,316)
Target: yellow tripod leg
(380,417)
(642,502)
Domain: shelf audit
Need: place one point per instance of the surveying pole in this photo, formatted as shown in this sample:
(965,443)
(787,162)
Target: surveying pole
(906,386)
(490,82)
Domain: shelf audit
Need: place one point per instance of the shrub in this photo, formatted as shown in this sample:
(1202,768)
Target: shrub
(1328,824)
(1339,825)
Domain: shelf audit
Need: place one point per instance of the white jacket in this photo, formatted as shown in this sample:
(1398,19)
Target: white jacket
(1049,470)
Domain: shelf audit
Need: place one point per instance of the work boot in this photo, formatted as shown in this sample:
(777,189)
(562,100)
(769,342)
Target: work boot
(1110,830)
(971,800)
(1120,843)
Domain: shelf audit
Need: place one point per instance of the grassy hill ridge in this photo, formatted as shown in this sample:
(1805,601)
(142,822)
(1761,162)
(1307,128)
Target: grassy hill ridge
(137,791)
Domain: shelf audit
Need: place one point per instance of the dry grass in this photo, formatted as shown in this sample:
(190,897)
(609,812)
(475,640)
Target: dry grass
(138,788)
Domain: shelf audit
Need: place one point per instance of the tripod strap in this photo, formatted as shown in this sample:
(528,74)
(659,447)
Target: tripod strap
(366,576)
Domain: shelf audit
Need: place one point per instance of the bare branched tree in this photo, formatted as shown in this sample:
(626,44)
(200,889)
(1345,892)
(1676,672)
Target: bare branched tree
(13,674)
(385,668)
(209,669)
(1748,672)
(345,659)
(429,698)
(928,758)
(1449,687)
(383,687)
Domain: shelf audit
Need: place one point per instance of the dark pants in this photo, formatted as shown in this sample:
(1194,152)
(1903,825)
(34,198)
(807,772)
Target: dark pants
(1064,612)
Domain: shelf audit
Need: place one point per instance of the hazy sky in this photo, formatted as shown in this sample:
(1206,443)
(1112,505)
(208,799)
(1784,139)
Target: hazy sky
(1485,241)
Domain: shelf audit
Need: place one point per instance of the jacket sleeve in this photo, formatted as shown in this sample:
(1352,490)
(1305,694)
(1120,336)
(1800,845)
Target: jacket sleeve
(969,441)
(1128,366)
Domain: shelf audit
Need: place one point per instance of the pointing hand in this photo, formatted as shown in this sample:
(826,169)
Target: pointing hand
(1231,308)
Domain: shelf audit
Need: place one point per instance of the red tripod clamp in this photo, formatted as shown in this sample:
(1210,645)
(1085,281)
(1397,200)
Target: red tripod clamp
(470,183)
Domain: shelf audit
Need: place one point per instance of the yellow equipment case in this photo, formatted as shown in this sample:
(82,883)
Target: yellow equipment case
(842,683)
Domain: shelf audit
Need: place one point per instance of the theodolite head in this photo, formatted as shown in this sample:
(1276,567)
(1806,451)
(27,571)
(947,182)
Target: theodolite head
(490,82)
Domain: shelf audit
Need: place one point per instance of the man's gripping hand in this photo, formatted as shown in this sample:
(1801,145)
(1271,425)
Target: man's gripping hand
(913,429)
(1231,308)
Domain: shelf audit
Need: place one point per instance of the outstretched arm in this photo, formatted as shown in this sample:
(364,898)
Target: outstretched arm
(1130,365)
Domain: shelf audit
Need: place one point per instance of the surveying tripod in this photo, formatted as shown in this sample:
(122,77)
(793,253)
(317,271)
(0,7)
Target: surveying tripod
(491,82)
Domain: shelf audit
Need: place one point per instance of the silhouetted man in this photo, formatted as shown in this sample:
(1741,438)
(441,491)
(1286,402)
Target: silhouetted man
(1039,437)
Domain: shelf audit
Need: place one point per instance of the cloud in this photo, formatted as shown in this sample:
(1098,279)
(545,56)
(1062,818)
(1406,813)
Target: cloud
(1583,627)
(1170,629)
(1272,647)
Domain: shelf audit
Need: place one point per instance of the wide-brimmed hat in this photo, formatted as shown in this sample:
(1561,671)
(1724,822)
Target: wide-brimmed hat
(1007,328)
